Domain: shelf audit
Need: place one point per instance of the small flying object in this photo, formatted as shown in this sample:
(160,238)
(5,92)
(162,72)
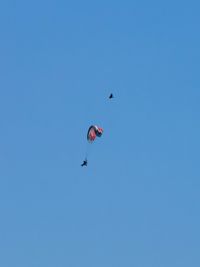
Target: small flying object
(111,96)
(84,163)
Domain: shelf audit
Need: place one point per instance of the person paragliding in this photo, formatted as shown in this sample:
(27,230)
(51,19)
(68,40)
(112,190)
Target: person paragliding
(93,132)
(84,163)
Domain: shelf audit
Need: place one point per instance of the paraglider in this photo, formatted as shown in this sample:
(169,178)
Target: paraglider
(93,132)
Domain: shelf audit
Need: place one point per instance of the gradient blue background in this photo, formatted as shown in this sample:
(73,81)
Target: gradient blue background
(137,202)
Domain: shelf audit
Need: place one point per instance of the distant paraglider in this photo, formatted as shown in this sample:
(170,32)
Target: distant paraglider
(93,132)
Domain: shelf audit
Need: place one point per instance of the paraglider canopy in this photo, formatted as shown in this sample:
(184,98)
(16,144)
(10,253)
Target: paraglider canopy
(93,132)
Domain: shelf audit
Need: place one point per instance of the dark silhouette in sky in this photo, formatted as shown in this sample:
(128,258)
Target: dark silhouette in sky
(111,96)
(84,163)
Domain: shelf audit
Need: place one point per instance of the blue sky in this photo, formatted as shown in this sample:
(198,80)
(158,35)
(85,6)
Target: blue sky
(137,202)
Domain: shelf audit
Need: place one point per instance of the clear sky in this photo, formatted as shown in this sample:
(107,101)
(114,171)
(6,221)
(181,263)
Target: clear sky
(138,202)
